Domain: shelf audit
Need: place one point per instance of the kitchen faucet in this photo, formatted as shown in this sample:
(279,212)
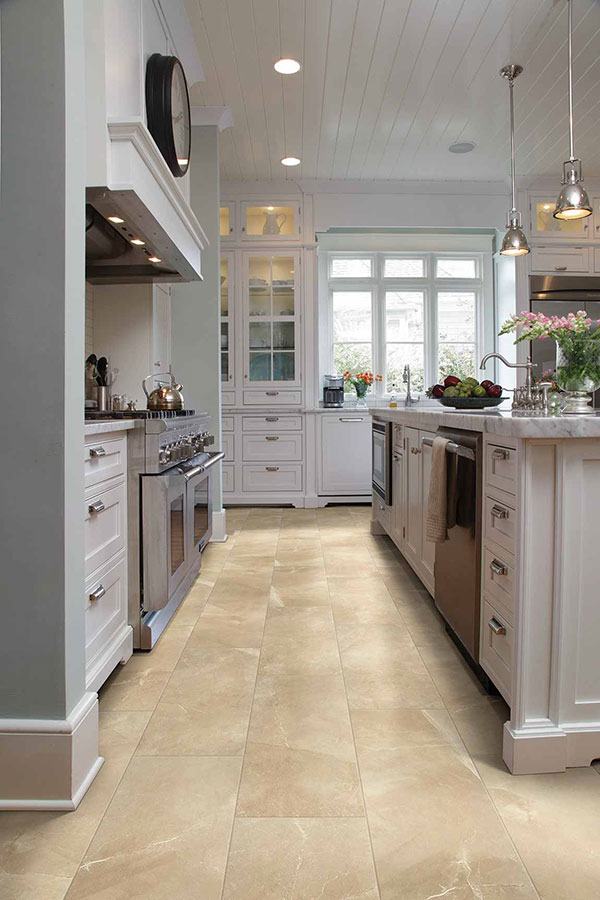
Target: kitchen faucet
(528,375)
(406,380)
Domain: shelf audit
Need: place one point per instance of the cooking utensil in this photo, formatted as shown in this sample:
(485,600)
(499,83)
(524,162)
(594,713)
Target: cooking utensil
(102,366)
(164,396)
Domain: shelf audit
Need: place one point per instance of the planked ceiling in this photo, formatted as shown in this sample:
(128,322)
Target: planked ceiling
(387,85)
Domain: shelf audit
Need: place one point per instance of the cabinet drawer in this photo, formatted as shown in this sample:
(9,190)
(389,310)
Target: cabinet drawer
(105,606)
(501,467)
(564,259)
(227,423)
(228,447)
(272,397)
(276,447)
(496,648)
(272,424)
(382,513)
(499,578)
(104,526)
(104,459)
(500,523)
(228,478)
(272,478)
(227,398)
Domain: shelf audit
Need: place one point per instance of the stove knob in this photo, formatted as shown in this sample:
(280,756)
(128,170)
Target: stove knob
(163,456)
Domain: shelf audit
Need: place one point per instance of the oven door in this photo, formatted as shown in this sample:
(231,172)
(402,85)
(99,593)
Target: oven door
(382,460)
(198,475)
(165,537)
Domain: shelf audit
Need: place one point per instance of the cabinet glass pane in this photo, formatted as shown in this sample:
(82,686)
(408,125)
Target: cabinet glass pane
(545,221)
(260,335)
(224,286)
(270,220)
(283,366)
(283,335)
(224,366)
(283,286)
(259,285)
(224,221)
(260,366)
(224,336)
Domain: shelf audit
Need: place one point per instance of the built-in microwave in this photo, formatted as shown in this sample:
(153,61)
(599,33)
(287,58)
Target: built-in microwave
(382,460)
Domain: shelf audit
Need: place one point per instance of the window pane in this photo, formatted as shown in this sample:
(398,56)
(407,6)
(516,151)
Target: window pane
(404,315)
(351,267)
(351,358)
(352,316)
(456,359)
(455,268)
(399,355)
(456,316)
(403,268)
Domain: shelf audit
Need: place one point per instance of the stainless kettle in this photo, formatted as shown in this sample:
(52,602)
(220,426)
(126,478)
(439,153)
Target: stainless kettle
(164,396)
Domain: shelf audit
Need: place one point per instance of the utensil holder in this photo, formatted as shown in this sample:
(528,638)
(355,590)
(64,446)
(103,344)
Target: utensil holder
(103,399)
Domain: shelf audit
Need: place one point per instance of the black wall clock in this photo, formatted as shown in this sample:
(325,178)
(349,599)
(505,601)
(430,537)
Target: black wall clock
(168,111)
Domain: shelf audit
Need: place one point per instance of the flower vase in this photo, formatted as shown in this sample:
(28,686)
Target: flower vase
(578,373)
(361,390)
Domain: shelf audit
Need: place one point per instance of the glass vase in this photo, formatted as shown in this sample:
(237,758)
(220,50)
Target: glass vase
(361,391)
(578,373)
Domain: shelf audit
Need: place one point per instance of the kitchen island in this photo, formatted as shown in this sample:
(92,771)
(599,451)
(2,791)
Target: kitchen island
(540,575)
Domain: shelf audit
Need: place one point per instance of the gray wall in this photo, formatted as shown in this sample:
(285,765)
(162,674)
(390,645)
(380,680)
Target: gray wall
(195,307)
(42,183)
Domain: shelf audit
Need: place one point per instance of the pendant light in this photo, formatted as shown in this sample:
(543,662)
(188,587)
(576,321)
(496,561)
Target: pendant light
(573,201)
(515,242)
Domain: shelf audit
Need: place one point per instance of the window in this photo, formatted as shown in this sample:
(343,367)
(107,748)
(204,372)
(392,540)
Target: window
(388,311)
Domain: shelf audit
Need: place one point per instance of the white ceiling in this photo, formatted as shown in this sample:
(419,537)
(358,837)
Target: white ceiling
(387,85)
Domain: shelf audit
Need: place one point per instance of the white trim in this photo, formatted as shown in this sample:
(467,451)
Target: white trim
(398,242)
(219,527)
(220,116)
(51,726)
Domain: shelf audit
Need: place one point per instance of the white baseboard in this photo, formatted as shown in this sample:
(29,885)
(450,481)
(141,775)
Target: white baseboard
(219,527)
(49,763)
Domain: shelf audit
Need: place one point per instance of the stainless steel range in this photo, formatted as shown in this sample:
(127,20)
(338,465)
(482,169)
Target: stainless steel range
(170,514)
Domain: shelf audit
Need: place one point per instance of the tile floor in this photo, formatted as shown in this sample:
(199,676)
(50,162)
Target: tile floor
(306,731)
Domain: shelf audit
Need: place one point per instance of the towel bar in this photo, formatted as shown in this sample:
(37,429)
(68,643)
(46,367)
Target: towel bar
(451,447)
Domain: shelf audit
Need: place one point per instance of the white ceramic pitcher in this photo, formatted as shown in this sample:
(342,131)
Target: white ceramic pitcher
(272,224)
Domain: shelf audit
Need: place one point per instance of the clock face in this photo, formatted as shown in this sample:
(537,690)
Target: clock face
(180,118)
(168,111)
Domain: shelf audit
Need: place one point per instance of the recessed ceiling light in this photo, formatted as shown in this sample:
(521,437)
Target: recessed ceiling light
(116,219)
(137,242)
(155,259)
(290,161)
(461,147)
(287,66)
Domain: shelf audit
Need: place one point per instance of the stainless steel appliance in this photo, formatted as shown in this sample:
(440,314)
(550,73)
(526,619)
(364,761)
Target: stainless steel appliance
(558,295)
(169,513)
(164,396)
(457,569)
(382,460)
(333,391)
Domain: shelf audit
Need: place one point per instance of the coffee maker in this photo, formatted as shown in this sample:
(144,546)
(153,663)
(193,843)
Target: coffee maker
(333,391)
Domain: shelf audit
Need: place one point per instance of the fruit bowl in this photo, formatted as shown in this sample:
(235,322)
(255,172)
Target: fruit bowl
(471,402)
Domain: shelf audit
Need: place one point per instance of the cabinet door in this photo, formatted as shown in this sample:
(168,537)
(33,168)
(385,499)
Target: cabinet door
(344,472)
(398,501)
(227,221)
(413,526)
(227,319)
(161,328)
(271,221)
(428,548)
(271,317)
(543,224)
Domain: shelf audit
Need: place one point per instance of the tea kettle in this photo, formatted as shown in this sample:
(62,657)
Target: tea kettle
(164,396)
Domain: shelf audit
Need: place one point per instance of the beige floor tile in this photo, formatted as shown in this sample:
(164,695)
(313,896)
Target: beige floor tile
(205,708)
(299,586)
(229,627)
(480,724)
(299,641)
(165,833)
(553,821)
(299,552)
(434,829)
(368,586)
(139,684)
(400,729)
(40,851)
(343,561)
(316,859)
(358,608)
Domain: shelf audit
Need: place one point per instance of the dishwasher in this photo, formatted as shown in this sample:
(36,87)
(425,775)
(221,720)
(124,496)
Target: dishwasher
(457,569)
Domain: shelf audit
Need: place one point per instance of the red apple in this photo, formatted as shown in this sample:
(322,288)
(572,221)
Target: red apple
(437,391)
(495,390)
(487,384)
(451,381)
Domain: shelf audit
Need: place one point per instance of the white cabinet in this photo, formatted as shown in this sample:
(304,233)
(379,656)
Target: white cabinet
(227,320)
(161,328)
(544,225)
(411,474)
(413,502)
(427,547)
(398,488)
(557,260)
(273,221)
(345,455)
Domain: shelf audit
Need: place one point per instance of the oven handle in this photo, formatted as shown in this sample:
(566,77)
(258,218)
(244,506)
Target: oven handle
(214,457)
(451,447)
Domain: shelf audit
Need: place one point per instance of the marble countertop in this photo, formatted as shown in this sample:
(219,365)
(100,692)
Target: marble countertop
(101,426)
(502,422)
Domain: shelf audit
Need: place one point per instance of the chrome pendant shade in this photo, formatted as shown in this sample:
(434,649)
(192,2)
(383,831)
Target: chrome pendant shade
(515,242)
(573,201)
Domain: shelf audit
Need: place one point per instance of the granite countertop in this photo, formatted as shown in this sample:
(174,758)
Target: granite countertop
(500,421)
(101,426)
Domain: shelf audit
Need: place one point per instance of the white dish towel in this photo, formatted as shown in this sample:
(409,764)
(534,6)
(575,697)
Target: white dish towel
(436,527)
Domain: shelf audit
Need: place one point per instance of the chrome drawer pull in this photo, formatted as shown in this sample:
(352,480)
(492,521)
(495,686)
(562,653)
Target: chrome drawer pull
(496,626)
(272,393)
(96,507)
(500,454)
(271,437)
(499,512)
(271,418)
(560,268)
(97,451)
(398,456)
(349,420)
(98,593)
(272,468)
(498,568)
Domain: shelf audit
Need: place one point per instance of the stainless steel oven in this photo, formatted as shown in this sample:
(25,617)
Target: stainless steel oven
(382,460)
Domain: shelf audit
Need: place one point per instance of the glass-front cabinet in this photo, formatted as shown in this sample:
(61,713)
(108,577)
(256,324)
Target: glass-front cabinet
(227,220)
(226,319)
(543,224)
(271,318)
(270,221)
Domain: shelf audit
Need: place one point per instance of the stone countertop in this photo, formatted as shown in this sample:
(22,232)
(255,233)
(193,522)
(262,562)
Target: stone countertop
(500,422)
(102,426)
